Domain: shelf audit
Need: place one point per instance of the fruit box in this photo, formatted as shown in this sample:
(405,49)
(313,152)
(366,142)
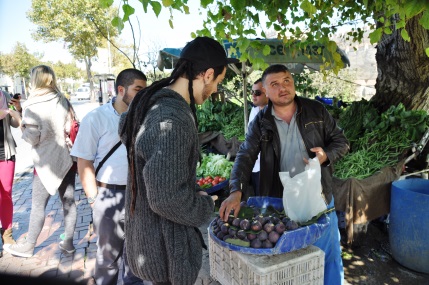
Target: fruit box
(303,266)
(288,241)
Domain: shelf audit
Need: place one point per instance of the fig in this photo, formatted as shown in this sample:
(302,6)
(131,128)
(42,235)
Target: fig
(243,204)
(236,222)
(285,220)
(232,232)
(225,237)
(256,226)
(220,235)
(280,228)
(273,237)
(245,224)
(262,235)
(225,228)
(251,236)
(275,220)
(267,244)
(269,227)
(291,225)
(230,219)
(256,243)
(241,234)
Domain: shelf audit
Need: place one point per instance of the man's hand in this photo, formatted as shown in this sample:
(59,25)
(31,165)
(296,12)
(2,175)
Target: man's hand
(320,153)
(232,203)
(204,193)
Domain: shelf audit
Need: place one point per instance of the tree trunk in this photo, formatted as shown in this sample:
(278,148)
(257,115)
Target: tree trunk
(403,69)
(88,64)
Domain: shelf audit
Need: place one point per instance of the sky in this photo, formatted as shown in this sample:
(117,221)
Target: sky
(155,32)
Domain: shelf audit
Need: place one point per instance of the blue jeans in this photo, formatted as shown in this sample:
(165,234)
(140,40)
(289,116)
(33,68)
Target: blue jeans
(330,244)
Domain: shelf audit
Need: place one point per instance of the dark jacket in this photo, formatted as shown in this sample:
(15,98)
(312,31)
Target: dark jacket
(317,128)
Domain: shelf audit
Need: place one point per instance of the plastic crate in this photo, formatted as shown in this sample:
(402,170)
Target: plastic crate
(303,266)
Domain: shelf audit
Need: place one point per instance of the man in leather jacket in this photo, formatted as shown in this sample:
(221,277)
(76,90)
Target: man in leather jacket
(288,132)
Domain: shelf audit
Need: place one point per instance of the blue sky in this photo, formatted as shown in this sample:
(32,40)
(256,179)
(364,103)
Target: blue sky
(15,27)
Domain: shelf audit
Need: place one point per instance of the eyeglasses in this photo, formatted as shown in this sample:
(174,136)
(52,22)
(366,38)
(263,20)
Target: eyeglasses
(256,92)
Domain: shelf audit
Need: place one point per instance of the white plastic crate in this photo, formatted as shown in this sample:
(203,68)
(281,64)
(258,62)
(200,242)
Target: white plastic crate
(303,266)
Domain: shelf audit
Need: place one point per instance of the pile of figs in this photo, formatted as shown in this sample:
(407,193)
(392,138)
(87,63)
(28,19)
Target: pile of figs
(253,227)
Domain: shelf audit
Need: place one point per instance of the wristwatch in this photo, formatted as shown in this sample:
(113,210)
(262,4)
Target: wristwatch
(91,200)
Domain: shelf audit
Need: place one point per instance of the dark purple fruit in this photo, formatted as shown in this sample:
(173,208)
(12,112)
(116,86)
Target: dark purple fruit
(262,235)
(241,234)
(280,228)
(243,204)
(291,225)
(226,237)
(256,226)
(232,232)
(273,237)
(236,222)
(267,244)
(251,236)
(220,235)
(230,219)
(256,243)
(265,220)
(260,218)
(225,228)
(245,224)
(269,227)
(285,220)
(275,220)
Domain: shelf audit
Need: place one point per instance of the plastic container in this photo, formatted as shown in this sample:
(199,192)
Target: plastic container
(409,220)
(288,241)
(304,266)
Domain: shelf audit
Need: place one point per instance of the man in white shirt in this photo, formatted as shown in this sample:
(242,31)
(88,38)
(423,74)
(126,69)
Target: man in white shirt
(259,100)
(105,190)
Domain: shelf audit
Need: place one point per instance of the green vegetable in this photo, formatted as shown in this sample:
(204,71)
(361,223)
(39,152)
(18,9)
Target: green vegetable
(214,165)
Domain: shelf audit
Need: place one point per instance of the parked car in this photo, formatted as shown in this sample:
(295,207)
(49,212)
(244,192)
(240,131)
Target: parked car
(83,93)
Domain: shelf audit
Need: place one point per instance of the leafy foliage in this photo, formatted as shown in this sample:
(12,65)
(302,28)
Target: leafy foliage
(226,117)
(20,61)
(81,24)
(297,23)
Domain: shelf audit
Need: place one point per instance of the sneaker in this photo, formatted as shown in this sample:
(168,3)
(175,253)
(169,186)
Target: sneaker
(20,249)
(63,247)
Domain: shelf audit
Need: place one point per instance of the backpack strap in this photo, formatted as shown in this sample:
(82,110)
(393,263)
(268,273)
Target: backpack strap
(114,148)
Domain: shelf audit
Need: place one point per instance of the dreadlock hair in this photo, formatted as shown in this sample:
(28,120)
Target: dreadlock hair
(141,104)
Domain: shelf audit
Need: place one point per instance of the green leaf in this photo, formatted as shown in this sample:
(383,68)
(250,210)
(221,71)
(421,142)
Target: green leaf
(118,23)
(239,242)
(375,36)
(186,9)
(308,7)
(405,35)
(145,3)
(412,8)
(266,50)
(245,213)
(167,3)
(156,6)
(205,3)
(427,51)
(128,11)
(105,3)
(170,22)
(424,20)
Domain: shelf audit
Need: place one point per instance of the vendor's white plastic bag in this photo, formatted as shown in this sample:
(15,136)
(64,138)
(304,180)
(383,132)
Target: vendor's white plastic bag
(302,194)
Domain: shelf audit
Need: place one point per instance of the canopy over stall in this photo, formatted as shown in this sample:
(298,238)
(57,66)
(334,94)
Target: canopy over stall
(294,58)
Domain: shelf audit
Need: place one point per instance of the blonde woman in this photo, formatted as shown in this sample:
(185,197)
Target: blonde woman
(45,117)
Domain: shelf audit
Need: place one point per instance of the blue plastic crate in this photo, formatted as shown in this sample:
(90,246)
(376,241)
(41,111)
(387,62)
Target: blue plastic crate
(288,241)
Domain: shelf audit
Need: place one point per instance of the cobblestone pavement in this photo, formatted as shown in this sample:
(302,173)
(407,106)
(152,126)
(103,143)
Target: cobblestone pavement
(48,260)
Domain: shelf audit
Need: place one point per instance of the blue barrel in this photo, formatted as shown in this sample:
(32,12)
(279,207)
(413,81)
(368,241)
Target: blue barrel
(409,223)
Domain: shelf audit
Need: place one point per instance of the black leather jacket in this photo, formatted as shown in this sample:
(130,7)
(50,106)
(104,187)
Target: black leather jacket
(317,128)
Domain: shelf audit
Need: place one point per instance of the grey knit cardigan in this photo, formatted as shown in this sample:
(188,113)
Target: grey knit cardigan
(162,238)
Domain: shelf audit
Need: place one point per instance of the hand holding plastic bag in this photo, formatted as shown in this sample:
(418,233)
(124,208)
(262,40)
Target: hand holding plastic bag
(302,194)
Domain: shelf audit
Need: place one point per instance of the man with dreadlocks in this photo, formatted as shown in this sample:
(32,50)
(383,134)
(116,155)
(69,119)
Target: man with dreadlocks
(163,208)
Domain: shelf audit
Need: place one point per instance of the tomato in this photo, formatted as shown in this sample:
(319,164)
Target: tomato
(222,179)
(209,177)
(214,183)
(200,183)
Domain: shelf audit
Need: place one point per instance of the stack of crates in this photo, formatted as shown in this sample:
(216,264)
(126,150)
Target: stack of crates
(303,266)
